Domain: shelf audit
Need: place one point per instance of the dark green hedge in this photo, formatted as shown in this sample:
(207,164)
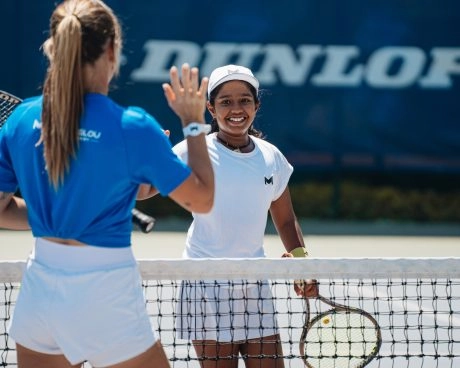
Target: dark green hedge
(355,201)
(350,200)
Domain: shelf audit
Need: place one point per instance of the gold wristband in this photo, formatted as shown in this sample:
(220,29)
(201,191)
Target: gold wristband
(299,252)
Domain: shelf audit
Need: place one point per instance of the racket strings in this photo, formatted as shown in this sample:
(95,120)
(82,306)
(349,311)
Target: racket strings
(341,338)
(8,103)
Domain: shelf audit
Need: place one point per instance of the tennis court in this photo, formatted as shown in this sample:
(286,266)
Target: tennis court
(169,244)
(419,320)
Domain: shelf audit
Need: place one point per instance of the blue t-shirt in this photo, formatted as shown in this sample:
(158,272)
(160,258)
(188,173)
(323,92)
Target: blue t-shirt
(119,149)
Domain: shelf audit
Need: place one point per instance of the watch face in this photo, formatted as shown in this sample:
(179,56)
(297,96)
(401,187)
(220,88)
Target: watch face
(195,129)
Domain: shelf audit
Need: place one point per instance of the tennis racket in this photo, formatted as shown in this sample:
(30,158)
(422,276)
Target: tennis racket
(8,103)
(342,337)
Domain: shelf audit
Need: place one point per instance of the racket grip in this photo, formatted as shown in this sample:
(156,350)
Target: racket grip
(142,221)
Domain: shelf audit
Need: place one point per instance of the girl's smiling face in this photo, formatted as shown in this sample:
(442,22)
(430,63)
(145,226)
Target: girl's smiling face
(234,108)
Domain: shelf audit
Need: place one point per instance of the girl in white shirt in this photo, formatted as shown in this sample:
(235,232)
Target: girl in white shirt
(223,318)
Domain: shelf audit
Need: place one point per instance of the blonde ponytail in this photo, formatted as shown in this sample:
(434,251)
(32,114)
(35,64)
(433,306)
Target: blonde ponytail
(79,31)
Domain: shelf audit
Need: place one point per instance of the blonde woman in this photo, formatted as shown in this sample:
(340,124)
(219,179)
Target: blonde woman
(78,158)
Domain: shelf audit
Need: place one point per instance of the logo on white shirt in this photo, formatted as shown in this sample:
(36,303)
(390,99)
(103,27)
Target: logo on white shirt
(268,180)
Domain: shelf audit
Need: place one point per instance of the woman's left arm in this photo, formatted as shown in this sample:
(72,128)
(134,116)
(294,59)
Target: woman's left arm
(13,212)
(290,232)
(286,223)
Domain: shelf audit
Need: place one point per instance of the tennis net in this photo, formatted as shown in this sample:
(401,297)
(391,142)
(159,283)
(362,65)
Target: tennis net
(415,301)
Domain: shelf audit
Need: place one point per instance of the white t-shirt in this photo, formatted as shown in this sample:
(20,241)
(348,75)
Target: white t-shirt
(246,185)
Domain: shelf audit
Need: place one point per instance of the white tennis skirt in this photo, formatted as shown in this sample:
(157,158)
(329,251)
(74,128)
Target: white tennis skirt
(86,303)
(225,311)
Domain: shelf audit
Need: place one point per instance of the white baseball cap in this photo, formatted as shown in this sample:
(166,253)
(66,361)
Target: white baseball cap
(231,72)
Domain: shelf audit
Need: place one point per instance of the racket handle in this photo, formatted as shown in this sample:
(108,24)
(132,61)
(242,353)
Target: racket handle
(142,221)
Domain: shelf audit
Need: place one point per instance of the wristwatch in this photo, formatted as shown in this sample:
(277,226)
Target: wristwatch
(194,129)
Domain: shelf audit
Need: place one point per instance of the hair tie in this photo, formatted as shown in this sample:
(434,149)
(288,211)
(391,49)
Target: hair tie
(74,15)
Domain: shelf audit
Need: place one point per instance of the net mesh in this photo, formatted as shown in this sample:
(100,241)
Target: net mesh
(416,303)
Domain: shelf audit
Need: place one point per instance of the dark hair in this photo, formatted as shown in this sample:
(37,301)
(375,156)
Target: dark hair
(79,33)
(212,98)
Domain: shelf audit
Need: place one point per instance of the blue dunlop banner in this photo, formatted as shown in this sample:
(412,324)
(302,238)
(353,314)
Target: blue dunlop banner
(355,85)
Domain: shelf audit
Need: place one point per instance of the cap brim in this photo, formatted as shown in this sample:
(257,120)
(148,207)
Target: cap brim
(235,76)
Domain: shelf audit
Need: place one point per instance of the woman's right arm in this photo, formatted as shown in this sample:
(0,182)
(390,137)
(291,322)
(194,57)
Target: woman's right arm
(187,98)
(13,212)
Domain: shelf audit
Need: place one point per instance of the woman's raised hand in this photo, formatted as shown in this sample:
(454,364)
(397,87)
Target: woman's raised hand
(186,95)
